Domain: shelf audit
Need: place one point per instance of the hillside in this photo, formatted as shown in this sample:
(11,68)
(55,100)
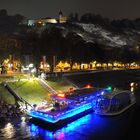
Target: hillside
(95,33)
(103,43)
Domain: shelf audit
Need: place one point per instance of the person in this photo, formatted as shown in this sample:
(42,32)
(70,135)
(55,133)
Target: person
(34,105)
(57,105)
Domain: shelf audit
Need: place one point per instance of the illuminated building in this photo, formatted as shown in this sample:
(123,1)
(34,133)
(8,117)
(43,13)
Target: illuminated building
(62,19)
(44,21)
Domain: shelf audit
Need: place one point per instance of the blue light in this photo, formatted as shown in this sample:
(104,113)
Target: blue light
(34,130)
(63,115)
(76,111)
(90,123)
(42,116)
(77,123)
(102,93)
(33,127)
(70,113)
(60,133)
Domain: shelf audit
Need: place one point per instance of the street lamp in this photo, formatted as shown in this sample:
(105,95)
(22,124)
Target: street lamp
(31,69)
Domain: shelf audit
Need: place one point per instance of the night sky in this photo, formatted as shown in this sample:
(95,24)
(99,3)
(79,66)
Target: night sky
(44,8)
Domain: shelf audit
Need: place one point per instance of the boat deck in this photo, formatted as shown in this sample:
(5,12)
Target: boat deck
(58,111)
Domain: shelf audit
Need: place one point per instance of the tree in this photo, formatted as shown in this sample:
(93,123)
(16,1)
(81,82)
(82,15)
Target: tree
(76,18)
(8,46)
(71,17)
(128,56)
(18,19)
(3,13)
(51,42)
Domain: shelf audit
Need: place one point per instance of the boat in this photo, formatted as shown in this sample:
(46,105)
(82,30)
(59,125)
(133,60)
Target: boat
(114,103)
(67,106)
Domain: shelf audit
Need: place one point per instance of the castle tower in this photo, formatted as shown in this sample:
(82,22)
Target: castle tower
(62,19)
(60,14)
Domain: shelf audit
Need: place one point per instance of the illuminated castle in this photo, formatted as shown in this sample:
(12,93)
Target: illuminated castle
(62,19)
(43,21)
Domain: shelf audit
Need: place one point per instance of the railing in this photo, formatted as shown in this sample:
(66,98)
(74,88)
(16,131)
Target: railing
(49,88)
(18,98)
(61,115)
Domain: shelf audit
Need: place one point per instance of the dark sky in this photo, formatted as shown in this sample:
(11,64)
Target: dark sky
(43,8)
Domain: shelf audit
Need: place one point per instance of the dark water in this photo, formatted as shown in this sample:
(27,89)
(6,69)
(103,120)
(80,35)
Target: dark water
(89,127)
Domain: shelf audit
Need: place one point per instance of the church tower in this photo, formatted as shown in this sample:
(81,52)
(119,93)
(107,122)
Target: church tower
(62,19)
(60,14)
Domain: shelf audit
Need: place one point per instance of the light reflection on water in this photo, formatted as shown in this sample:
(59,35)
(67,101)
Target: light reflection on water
(81,128)
(61,133)
(8,131)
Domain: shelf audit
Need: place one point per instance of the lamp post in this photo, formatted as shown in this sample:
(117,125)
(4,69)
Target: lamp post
(31,66)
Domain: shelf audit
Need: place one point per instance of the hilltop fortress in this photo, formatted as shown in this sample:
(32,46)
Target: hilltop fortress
(43,21)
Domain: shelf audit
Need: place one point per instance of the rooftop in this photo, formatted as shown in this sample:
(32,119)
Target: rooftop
(78,93)
(114,93)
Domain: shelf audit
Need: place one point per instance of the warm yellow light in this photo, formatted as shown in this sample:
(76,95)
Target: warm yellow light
(98,65)
(51,21)
(6,61)
(132,84)
(39,22)
(61,95)
(8,131)
(62,65)
(109,64)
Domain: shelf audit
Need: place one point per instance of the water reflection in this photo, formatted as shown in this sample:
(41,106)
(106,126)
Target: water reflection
(82,128)
(133,86)
(74,130)
(61,133)
(8,131)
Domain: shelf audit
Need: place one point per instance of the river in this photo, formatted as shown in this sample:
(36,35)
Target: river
(89,127)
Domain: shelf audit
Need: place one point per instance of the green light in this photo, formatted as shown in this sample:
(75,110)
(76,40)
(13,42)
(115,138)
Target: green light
(109,88)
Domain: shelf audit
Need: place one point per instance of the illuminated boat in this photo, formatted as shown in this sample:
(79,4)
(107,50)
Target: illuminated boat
(113,103)
(68,105)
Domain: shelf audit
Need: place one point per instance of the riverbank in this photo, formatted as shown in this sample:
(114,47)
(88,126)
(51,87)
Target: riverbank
(91,126)
(9,111)
(33,92)
(29,90)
